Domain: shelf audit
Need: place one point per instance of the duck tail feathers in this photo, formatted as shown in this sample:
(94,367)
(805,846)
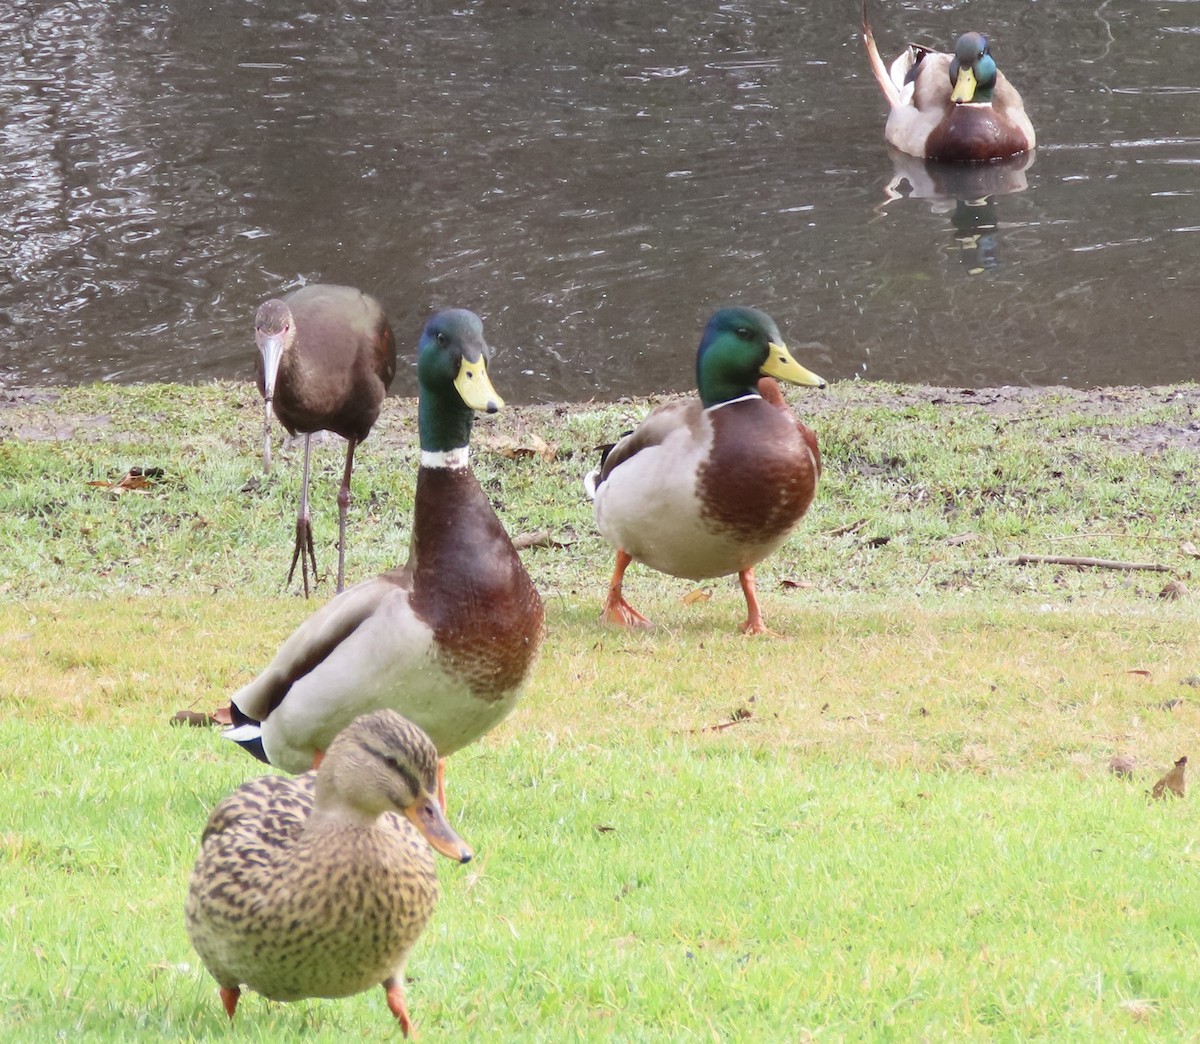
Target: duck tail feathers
(590,481)
(249,738)
(246,733)
(890,91)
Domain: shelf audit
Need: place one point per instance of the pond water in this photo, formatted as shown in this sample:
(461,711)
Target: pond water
(593,178)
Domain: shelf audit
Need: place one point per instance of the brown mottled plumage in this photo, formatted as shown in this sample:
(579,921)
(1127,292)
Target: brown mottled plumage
(326,359)
(711,486)
(319,885)
(448,639)
(952,108)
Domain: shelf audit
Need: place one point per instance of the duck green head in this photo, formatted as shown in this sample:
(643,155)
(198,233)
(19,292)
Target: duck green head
(739,346)
(452,359)
(972,70)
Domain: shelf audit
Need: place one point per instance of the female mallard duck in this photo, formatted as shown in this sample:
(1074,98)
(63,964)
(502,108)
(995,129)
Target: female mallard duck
(326,359)
(954,108)
(710,486)
(320,884)
(448,639)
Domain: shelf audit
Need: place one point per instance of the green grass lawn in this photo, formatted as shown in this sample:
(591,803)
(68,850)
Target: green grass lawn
(892,821)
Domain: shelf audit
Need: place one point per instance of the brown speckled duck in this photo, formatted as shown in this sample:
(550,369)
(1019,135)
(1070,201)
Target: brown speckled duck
(319,885)
(710,486)
(326,359)
(952,108)
(447,639)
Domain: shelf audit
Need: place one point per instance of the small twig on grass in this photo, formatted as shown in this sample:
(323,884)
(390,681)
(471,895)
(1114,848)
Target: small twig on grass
(1097,534)
(1094,563)
(853,527)
(738,716)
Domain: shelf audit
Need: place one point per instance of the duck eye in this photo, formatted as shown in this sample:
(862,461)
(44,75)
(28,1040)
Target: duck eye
(744,333)
(443,340)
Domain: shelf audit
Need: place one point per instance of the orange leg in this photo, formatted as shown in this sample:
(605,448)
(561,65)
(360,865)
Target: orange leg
(617,612)
(229,997)
(754,619)
(318,757)
(395,1000)
(441,784)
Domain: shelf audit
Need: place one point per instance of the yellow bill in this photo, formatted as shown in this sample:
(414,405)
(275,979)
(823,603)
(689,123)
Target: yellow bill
(964,86)
(783,367)
(475,386)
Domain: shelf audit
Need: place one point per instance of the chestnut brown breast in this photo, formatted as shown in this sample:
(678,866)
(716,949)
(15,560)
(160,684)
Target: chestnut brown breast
(761,473)
(469,585)
(974,134)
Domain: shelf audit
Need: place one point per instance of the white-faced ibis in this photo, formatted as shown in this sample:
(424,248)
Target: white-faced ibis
(448,638)
(326,359)
(710,486)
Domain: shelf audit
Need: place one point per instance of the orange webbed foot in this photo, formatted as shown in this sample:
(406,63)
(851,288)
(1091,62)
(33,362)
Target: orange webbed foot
(754,618)
(756,625)
(396,1002)
(619,613)
(229,998)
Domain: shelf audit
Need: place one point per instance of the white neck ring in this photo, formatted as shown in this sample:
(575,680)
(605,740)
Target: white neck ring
(455,458)
(729,402)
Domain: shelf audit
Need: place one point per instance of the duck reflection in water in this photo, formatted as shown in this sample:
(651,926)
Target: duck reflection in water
(968,192)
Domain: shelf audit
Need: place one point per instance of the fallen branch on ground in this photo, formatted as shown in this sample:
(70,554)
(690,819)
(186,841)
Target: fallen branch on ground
(1094,563)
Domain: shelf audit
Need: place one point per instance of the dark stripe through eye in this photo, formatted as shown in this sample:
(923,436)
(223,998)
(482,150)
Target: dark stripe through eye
(402,771)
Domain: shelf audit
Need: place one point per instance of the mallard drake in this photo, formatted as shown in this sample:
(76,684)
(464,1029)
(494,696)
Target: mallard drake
(319,885)
(710,486)
(447,639)
(326,359)
(954,108)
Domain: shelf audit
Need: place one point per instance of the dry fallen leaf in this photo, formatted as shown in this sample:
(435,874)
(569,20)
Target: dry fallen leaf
(962,538)
(135,480)
(698,595)
(1189,549)
(1173,781)
(541,538)
(532,446)
(1138,1009)
(197,719)
(1173,590)
(1121,766)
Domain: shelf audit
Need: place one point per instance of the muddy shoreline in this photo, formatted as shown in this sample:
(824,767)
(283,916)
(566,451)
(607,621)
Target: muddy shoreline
(35,414)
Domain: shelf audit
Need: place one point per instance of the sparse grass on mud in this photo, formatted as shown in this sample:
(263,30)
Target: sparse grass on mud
(892,821)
